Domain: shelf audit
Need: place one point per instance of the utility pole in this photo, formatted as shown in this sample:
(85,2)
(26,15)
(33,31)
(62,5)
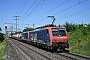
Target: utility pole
(33,25)
(16,18)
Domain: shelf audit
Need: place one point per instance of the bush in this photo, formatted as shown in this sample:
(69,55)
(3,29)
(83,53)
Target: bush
(1,37)
(79,42)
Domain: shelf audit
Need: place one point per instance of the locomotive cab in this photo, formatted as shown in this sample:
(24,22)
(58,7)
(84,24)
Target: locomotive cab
(58,37)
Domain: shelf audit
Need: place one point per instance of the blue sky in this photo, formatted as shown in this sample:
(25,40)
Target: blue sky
(36,11)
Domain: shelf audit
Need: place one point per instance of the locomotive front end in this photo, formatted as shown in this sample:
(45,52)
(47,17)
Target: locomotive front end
(59,38)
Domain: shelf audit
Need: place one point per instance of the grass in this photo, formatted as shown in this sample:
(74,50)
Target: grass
(2,49)
(1,59)
(79,43)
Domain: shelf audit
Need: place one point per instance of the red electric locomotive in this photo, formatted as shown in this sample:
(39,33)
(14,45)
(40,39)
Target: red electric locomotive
(50,37)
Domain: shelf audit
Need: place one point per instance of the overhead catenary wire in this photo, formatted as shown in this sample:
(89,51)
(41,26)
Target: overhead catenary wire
(41,5)
(74,14)
(67,15)
(41,20)
(19,6)
(37,5)
(2,19)
(29,8)
(33,9)
(23,4)
(48,11)
(66,9)
(23,7)
(70,7)
(52,9)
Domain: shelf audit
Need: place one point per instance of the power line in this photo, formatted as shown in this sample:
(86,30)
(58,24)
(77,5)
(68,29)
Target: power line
(19,6)
(68,15)
(70,7)
(37,5)
(74,13)
(2,19)
(67,8)
(53,9)
(23,4)
(41,20)
(29,8)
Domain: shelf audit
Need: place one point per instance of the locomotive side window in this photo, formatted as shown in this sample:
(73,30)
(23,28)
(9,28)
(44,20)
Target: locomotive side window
(58,32)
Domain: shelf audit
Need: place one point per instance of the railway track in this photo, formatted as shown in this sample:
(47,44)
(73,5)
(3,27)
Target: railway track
(76,56)
(73,56)
(28,52)
(31,51)
(20,52)
(35,52)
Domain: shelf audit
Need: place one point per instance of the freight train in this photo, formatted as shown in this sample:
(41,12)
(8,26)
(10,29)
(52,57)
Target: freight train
(49,37)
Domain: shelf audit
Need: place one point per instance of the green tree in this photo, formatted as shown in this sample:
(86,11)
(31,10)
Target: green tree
(27,29)
(1,37)
(70,26)
(0,29)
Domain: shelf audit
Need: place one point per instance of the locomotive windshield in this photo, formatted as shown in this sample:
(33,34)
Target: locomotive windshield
(58,32)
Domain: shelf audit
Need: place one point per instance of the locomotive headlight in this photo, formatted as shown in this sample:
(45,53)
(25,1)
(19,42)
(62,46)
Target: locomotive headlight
(65,40)
(54,40)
